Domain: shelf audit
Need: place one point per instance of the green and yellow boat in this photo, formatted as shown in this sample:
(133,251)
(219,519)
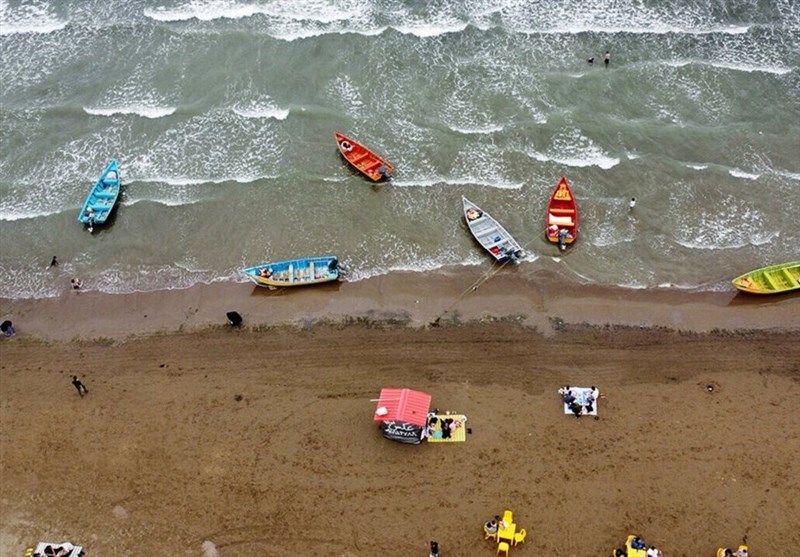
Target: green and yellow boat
(774,279)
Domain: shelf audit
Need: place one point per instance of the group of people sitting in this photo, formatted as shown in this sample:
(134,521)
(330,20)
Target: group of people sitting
(578,407)
(495,524)
(638,544)
(445,425)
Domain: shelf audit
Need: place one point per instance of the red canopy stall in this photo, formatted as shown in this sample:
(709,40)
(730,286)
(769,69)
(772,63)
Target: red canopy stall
(403,414)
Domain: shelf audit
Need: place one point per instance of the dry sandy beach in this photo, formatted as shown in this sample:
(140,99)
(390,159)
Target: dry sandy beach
(197,440)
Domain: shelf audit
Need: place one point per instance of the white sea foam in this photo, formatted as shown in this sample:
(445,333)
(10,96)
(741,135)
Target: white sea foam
(424,30)
(738,173)
(462,181)
(262,112)
(166,202)
(570,147)
(787,174)
(749,68)
(477,131)
(187,181)
(140,110)
(289,12)
(590,159)
(28,18)
(697,166)
(17,213)
(736,66)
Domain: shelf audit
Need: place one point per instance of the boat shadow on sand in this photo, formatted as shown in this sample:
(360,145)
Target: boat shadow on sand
(743,299)
(283,291)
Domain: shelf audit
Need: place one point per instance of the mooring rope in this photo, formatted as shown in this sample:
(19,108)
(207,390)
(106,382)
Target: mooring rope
(477,284)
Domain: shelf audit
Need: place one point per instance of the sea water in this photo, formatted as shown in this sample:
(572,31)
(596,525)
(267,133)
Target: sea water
(221,115)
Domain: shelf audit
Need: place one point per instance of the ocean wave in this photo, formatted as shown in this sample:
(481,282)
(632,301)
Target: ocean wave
(787,174)
(151,112)
(28,18)
(187,181)
(694,166)
(15,213)
(569,147)
(477,131)
(293,12)
(262,112)
(467,181)
(738,173)
(599,160)
(174,202)
(655,29)
(736,66)
(424,31)
(428,265)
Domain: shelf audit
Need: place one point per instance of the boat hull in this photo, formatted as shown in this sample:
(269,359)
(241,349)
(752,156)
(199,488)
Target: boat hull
(562,215)
(295,272)
(102,198)
(363,159)
(489,233)
(775,279)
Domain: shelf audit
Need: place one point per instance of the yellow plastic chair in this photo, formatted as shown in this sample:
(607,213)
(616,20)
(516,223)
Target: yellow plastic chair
(502,546)
(519,537)
(487,534)
(508,516)
(28,552)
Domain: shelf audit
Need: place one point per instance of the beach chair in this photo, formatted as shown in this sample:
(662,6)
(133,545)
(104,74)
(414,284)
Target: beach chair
(502,546)
(519,537)
(508,516)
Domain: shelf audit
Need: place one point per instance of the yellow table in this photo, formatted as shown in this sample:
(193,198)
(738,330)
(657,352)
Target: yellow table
(507,533)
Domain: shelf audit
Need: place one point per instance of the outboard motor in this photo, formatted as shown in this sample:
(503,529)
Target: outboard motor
(562,239)
(333,265)
(383,171)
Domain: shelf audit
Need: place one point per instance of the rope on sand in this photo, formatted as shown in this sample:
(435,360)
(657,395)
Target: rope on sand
(477,284)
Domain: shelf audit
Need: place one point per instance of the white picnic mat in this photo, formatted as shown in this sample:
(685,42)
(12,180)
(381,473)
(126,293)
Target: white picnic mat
(73,550)
(581,395)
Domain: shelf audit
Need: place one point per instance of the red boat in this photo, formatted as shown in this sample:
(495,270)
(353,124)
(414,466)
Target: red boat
(363,159)
(562,216)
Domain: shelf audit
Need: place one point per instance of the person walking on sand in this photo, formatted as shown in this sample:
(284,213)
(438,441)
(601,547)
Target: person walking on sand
(606,58)
(82,390)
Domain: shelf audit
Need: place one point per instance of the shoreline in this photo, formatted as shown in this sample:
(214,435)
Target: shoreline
(539,300)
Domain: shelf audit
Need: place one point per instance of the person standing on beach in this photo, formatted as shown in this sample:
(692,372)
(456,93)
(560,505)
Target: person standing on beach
(54,261)
(632,203)
(606,58)
(434,549)
(82,390)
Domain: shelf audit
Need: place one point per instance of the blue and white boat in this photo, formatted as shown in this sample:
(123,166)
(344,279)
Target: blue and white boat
(102,198)
(296,272)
